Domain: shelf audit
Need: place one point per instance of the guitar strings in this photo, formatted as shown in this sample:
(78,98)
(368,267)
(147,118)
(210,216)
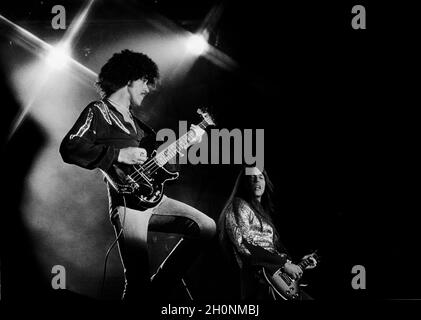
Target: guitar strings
(152,165)
(177,145)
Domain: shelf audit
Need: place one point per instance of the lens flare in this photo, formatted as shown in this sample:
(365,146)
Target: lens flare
(58,57)
(197,44)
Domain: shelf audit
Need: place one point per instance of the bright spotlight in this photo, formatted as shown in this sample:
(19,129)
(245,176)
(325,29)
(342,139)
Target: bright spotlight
(197,44)
(58,56)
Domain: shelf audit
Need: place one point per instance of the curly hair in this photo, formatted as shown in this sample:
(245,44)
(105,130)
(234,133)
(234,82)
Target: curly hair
(126,66)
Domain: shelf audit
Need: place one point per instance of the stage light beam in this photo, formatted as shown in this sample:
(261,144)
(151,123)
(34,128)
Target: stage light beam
(54,56)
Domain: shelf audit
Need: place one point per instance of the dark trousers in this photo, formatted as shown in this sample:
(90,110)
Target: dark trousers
(170,216)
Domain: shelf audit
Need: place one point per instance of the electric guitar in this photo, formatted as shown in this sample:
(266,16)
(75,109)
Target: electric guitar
(285,286)
(145,182)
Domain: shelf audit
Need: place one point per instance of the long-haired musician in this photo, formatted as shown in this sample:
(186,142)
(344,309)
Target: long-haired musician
(247,230)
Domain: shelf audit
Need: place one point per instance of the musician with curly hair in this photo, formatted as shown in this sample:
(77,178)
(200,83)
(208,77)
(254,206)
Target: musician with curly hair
(108,136)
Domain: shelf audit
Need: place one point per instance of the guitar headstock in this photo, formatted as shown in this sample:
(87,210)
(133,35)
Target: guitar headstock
(206,116)
(316,256)
(311,260)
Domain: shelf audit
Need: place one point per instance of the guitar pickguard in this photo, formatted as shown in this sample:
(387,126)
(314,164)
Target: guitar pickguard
(147,190)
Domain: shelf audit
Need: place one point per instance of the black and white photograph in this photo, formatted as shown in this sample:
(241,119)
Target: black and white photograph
(208,159)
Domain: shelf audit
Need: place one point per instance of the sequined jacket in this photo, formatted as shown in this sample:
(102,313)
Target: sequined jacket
(249,237)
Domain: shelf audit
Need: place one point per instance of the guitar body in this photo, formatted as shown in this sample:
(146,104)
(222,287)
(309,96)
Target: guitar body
(147,190)
(285,286)
(145,183)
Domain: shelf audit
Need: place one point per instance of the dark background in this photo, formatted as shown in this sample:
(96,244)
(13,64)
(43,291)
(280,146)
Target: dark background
(340,140)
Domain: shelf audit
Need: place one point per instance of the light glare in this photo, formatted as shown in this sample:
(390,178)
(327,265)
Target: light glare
(197,44)
(58,57)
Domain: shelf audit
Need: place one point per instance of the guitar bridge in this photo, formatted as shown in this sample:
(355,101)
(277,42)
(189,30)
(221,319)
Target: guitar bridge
(286,278)
(127,189)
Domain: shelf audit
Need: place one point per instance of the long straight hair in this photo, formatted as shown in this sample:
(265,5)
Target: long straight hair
(242,191)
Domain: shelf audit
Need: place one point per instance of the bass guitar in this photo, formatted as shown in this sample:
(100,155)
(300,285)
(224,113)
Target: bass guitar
(145,182)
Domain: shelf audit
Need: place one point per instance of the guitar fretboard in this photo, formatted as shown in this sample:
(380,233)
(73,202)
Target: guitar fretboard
(177,146)
(305,263)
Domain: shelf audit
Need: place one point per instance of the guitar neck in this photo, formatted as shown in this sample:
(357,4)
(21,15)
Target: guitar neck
(305,263)
(177,146)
